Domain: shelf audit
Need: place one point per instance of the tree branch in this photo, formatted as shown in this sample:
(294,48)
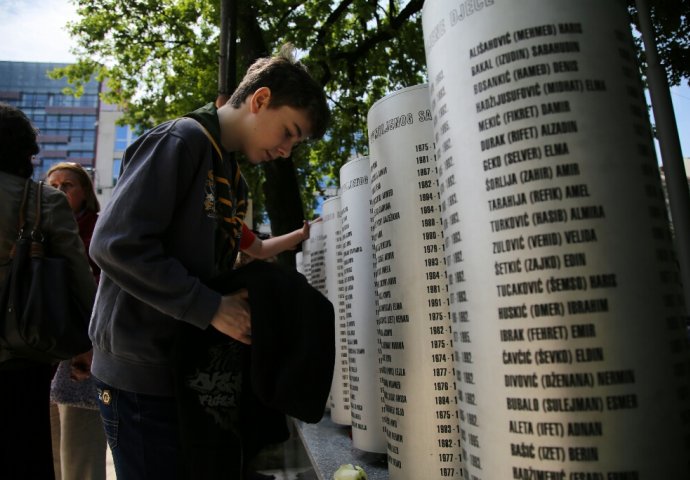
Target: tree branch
(381,35)
(330,21)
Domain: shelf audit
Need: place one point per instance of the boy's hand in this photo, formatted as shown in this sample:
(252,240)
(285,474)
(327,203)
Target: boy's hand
(233,317)
(306,226)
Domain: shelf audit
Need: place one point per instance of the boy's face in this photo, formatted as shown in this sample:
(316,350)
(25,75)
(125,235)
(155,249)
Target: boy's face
(273,132)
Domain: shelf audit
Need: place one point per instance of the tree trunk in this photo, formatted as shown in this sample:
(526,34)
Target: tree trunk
(224,89)
(281,190)
(283,201)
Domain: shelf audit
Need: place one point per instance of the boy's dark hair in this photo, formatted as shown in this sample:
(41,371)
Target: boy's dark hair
(17,142)
(291,85)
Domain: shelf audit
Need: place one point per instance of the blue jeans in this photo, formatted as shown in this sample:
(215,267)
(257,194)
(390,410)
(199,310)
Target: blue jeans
(142,431)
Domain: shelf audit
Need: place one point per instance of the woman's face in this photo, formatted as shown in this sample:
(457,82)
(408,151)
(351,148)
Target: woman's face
(68,182)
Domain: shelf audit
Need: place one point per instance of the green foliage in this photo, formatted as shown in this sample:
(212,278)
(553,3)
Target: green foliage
(671,20)
(160,58)
(360,51)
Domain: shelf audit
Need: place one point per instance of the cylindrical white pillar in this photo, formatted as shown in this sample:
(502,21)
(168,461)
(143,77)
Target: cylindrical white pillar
(333,266)
(316,244)
(299,262)
(565,293)
(360,306)
(306,260)
(414,332)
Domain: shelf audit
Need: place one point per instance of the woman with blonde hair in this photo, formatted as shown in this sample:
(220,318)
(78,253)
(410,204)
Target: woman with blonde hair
(82,439)
(75,182)
(82,177)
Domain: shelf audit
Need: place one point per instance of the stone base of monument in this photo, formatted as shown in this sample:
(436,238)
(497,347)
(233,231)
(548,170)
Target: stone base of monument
(329,445)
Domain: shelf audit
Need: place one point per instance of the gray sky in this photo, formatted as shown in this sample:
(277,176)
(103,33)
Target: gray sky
(34,30)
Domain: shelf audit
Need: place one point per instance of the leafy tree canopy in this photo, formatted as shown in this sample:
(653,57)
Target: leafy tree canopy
(671,20)
(160,58)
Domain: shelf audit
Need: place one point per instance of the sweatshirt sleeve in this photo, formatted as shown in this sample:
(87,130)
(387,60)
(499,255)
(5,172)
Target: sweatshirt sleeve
(131,239)
(248,237)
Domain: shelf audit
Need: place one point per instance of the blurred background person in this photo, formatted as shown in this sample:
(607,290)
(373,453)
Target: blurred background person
(81,439)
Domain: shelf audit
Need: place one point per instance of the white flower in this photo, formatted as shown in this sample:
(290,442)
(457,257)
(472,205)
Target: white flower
(350,472)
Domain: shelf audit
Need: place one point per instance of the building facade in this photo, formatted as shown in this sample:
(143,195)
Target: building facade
(80,130)
(111,142)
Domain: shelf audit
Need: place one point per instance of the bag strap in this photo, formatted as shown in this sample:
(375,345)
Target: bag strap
(36,234)
(22,208)
(22,218)
(210,137)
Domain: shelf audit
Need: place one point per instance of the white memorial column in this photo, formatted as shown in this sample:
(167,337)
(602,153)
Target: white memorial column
(565,298)
(360,306)
(316,244)
(299,262)
(333,266)
(306,260)
(421,417)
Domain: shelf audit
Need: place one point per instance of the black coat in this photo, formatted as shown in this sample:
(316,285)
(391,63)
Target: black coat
(232,398)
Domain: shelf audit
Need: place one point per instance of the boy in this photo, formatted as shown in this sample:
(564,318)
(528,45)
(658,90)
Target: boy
(174,221)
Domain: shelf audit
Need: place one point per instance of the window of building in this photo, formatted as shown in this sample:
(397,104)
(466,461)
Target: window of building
(40,100)
(80,153)
(26,101)
(117,165)
(88,100)
(123,137)
(83,121)
(40,171)
(39,121)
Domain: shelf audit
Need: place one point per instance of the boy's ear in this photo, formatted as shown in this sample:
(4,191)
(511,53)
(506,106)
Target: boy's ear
(259,99)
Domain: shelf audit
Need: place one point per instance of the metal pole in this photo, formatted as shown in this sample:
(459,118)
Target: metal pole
(669,144)
(223,48)
(232,47)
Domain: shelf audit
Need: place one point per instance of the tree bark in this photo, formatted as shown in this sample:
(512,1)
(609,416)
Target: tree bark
(283,202)
(223,84)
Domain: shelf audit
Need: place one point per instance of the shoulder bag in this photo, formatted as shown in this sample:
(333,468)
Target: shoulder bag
(41,319)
